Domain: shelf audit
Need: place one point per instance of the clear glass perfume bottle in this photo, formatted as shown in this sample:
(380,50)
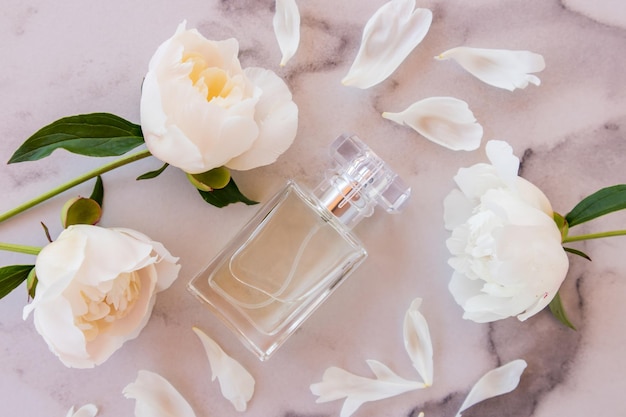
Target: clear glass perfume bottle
(295,251)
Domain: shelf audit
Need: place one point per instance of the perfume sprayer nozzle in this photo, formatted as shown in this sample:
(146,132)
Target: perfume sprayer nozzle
(360,181)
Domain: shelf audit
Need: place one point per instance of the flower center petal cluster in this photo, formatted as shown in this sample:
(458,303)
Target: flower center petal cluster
(107,303)
(506,247)
(200,110)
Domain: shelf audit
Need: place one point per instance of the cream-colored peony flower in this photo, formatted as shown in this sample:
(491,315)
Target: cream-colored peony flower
(96,290)
(507,254)
(200,110)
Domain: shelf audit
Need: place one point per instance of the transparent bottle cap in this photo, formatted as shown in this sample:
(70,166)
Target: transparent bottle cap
(360,181)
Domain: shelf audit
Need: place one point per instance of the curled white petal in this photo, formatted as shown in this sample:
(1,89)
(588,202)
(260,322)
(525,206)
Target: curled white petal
(287,28)
(87,410)
(446,121)
(388,38)
(155,397)
(418,343)
(357,390)
(496,382)
(236,383)
(498,67)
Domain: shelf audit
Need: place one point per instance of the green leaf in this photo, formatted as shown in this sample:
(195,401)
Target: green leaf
(601,202)
(95,134)
(225,196)
(97,194)
(577,252)
(12,276)
(558,311)
(80,210)
(152,174)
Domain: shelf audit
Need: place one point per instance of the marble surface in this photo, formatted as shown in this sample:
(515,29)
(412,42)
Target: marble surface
(79,56)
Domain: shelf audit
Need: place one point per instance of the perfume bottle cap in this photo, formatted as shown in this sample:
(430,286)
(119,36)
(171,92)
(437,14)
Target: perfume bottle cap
(360,182)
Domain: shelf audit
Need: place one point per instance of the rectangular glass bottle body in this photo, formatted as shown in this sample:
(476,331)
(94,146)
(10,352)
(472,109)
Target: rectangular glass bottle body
(282,265)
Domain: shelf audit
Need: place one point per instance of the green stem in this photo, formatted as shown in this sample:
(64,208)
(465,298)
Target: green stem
(594,236)
(29,250)
(73,183)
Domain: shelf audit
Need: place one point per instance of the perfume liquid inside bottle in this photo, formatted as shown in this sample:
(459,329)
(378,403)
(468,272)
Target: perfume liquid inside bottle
(297,249)
(295,254)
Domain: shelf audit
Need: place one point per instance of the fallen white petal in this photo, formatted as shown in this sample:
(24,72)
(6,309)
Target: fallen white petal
(388,37)
(357,390)
(287,28)
(418,343)
(496,382)
(498,67)
(236,383)
(155,397)
(501,156)
(446,121)
(87,410)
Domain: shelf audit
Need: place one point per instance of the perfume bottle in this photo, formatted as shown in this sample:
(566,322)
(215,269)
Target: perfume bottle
(295,251)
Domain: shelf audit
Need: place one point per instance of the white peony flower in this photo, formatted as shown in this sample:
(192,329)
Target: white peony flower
(286,24)
(506,248)
(389,36)
(446,121)
(498,67)
(96,290)
(200,110)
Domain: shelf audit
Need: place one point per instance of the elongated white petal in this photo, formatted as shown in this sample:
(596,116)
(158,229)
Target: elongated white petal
(418,343)
(498,67)
(357,390)
(87,410)
(287,28)
(446,121)
(496,382)
(236,383)
(155,397)
(388,38)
